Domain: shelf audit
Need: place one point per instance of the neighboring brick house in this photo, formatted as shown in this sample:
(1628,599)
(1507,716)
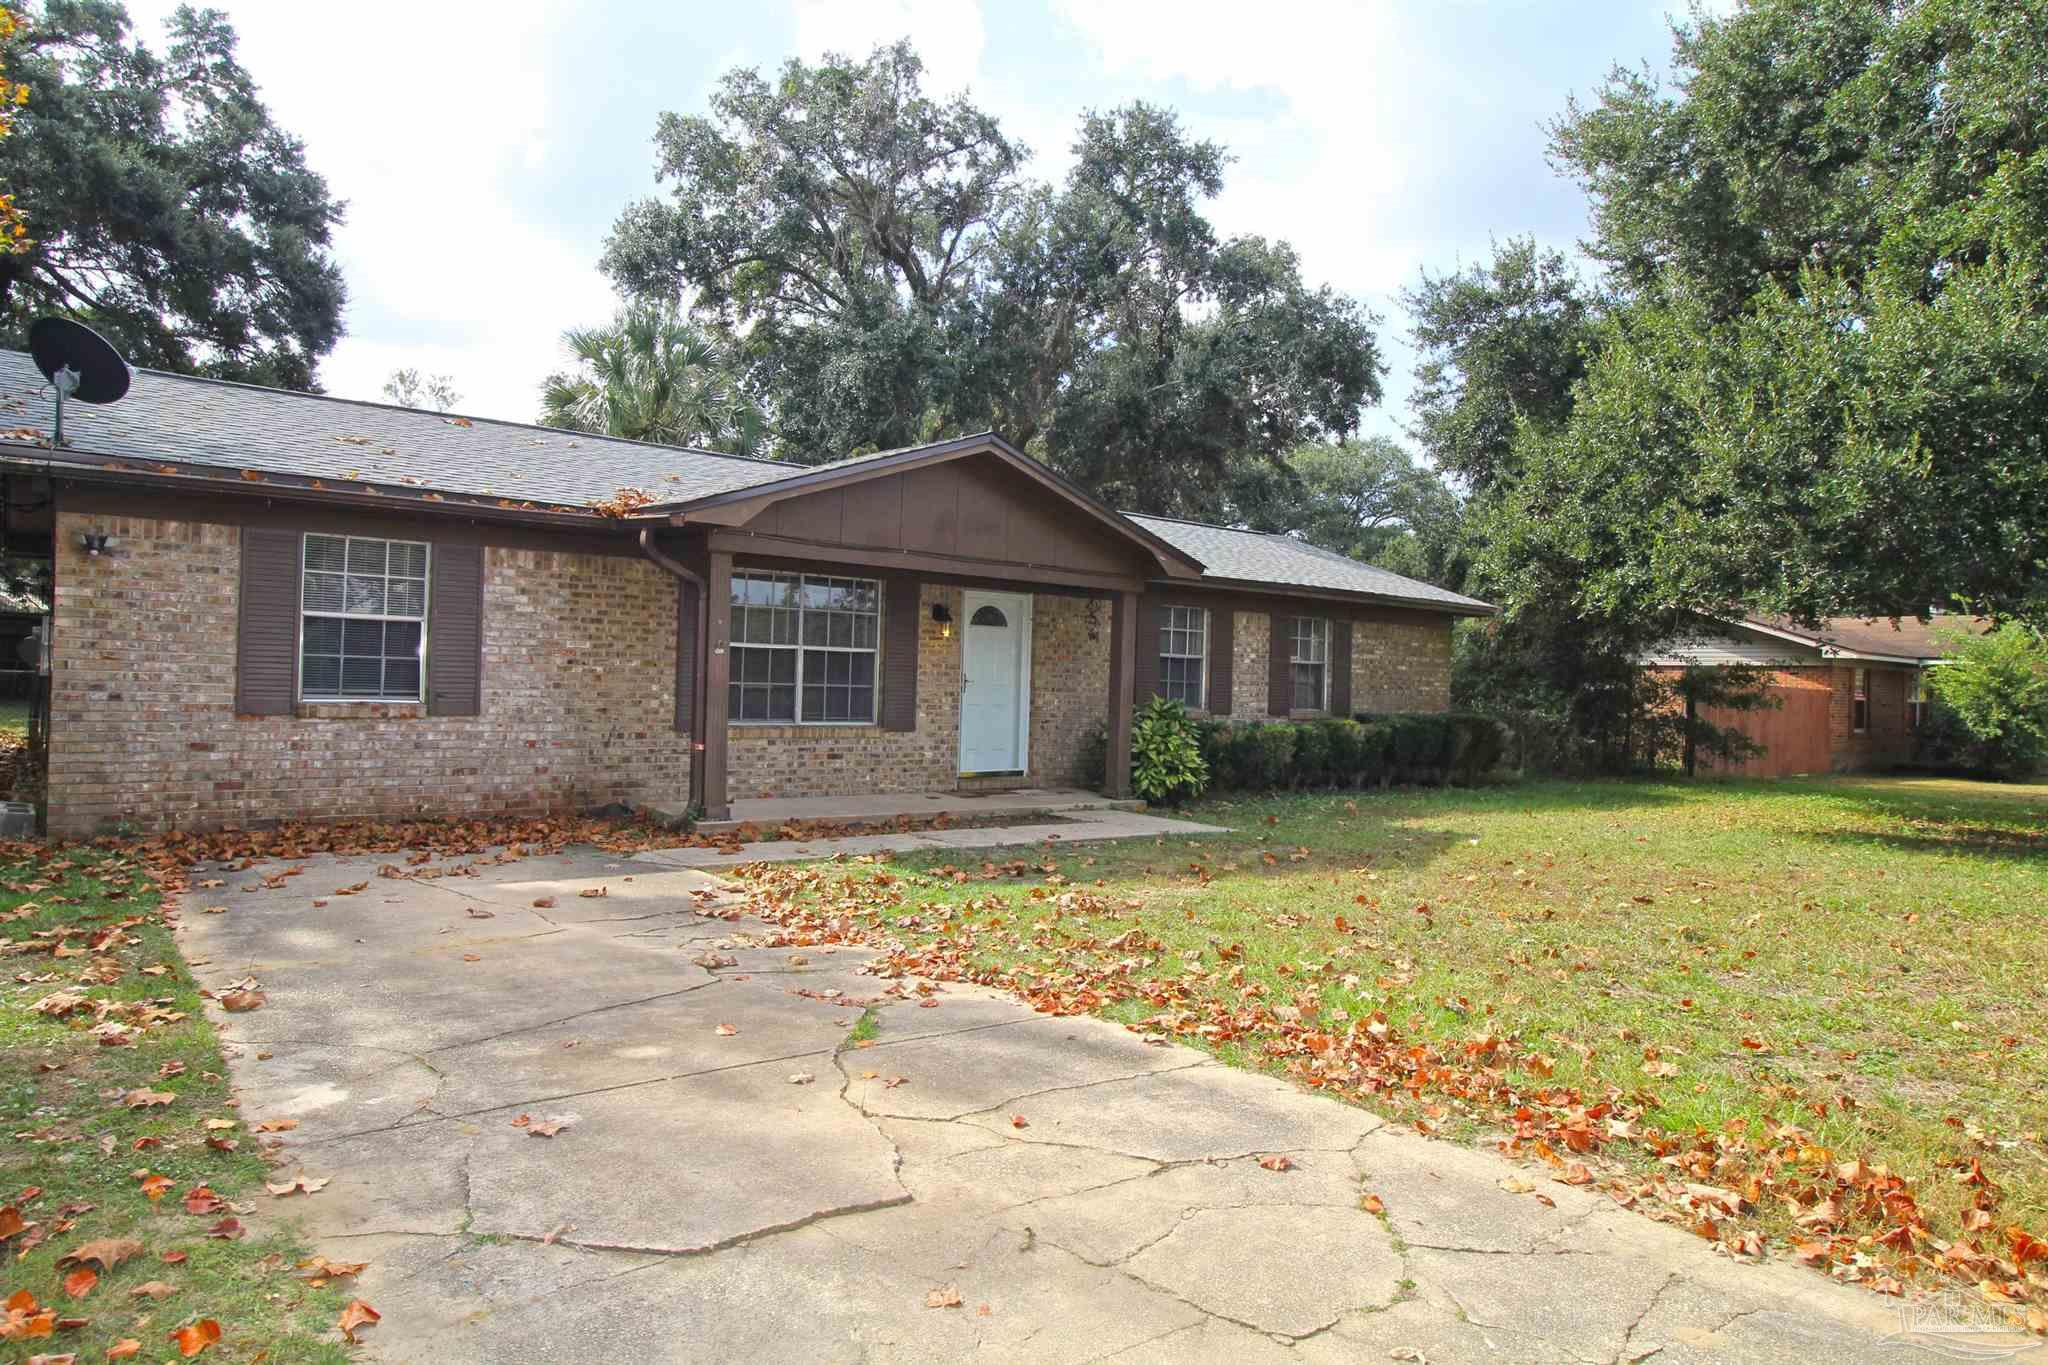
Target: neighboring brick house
(272,605)
(1850,693)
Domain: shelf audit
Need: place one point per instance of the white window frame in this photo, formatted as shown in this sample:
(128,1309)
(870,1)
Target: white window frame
(1176,620)
(426,582)
(1916,701)
(799,649)
(1859,700)
(1320,635)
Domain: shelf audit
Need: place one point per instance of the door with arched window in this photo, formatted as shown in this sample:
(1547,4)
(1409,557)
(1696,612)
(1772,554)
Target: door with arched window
(995,682)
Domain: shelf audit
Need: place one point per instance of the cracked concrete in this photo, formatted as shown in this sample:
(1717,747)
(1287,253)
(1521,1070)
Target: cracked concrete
(732,1183)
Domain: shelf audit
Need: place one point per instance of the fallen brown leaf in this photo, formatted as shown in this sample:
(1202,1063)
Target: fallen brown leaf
(195,1337)
(945,1296)
(357,1314)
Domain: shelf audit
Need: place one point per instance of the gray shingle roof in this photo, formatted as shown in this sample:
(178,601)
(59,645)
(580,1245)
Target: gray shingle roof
(169,417)
(177,418)
(1261,557)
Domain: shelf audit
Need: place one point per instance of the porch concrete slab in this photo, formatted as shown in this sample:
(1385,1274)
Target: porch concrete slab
(770,812)
(1082,827)
(754,1194)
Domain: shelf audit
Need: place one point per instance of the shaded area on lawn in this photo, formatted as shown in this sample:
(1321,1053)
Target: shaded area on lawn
(1769,979)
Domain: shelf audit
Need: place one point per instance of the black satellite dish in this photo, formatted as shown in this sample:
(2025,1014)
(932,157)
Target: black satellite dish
(78,362)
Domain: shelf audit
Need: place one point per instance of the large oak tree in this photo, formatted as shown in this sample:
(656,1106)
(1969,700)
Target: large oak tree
(888,274)
(165,207)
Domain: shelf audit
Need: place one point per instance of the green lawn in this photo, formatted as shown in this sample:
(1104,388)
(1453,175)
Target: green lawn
(74,1155)
(1760,982)
(14,718)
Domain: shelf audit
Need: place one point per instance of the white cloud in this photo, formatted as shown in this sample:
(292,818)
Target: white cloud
(431,131)
(948,34)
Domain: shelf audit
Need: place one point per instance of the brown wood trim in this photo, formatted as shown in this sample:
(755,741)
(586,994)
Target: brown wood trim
(1123,631)
(717,673)
(1252,595)
(1222,658)
(729,509)
(241,508)
(750,546)
(214,480)
(267,625)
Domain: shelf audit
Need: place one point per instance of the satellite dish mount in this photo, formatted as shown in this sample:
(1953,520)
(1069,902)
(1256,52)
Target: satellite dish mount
(79,363)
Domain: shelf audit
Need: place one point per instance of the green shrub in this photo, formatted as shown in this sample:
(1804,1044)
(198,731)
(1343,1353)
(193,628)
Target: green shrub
(1216,740)
(1166,753)
(1375,752)
(1482,741)
(1344,750)
(1311,766)
(1270,758)
(1996,687)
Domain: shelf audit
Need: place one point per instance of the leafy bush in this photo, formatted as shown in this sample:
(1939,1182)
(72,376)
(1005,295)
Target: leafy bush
(1995,686)
(1311,764)
(1166,753)
(1218,743)
(1270,761)
(1344,750)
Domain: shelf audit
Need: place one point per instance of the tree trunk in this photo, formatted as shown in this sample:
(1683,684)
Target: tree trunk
(1692,716)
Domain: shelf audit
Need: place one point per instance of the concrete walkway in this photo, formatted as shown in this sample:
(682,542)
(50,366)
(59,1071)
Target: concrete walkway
(729,1185)
(1075,826)
(1018,802)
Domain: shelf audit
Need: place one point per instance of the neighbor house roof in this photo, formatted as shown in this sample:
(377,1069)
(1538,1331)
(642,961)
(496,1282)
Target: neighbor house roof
(1905,640)
(1257,557)
(174,425)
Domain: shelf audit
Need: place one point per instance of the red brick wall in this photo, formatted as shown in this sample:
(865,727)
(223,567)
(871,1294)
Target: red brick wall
(578,696)
(1889,739)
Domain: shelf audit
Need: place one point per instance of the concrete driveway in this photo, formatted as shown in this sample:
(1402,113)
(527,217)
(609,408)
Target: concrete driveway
(731,1185)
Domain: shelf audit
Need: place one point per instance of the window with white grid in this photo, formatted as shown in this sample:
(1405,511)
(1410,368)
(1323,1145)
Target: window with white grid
(1310,657)
(1184,655)
(362,628)
(804,648)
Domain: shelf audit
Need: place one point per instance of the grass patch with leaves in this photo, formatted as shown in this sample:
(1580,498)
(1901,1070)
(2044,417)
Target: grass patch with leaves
(118,1078)
(1822,998)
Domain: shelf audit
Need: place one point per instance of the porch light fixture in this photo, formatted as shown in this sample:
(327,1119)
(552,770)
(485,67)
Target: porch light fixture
(95,542)
(943,616)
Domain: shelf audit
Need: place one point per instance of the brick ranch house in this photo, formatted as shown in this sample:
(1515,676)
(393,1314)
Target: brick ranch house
(273,605)
(1852,692)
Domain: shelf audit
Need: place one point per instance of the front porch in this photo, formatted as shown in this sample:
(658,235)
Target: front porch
(1016,805)
(946,622)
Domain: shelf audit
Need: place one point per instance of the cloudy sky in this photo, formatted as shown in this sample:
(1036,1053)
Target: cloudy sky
(485,149)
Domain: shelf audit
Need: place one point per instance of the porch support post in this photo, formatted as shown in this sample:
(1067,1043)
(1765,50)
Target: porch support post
(717,671)
(1123,657)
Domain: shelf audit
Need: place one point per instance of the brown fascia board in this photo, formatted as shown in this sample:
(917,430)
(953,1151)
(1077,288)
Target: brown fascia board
(736,507)
(1259,587)
(96,468)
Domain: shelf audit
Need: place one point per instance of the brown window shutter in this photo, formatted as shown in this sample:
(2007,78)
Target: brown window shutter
(1340,668)
(455,631)
(900,630)
(267,635)
(1280,675)
(1222,655)
(1145,667)
(686,655)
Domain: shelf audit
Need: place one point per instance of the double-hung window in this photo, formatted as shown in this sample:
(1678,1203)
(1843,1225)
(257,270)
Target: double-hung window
(1310,656)
(1184,655)
(1916,700)
(363,618)
(804,648)
(1859,703)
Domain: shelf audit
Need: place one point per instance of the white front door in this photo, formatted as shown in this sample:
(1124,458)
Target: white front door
(995,684)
